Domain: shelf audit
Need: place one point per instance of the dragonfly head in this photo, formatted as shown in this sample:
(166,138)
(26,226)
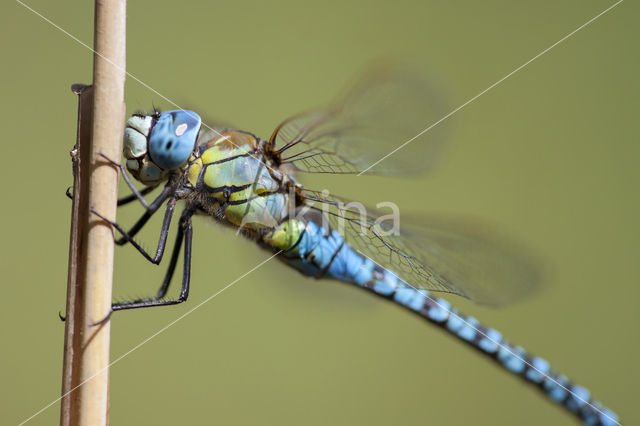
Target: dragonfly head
(156,144)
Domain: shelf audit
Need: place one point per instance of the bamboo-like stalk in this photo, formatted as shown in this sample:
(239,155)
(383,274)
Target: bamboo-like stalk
(85,383)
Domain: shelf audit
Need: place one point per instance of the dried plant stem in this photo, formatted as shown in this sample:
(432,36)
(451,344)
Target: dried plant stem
(101,117)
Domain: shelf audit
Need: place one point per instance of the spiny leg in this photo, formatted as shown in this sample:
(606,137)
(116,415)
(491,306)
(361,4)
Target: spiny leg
(153,207)
(164,231)
(139,196)
(133,197)
(185,232)
(122,201)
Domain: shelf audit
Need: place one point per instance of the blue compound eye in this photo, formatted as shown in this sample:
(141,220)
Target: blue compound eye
(173,138)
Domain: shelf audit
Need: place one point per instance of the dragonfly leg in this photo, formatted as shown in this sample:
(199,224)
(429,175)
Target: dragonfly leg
(133,197)
(153,207)
(185,232)
(121,201)
(139,196)
(164,231)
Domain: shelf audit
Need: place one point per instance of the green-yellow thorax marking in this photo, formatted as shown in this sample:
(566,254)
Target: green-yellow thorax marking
(230,171)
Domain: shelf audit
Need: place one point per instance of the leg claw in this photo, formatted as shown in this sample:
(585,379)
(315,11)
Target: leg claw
(115,163)
(103,320)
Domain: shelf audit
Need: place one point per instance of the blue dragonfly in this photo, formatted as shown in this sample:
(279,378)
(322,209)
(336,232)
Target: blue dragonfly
(249,184)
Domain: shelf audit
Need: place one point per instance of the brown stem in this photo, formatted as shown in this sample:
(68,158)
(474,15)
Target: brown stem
(85,382)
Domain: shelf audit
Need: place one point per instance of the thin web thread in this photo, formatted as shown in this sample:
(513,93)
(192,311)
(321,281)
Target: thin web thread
(129,74)
(491,87)
(265,261)
(500,345)
(145,341)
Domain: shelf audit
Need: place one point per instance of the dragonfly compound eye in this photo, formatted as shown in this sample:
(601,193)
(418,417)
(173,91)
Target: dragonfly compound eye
(135,136)
(173,138)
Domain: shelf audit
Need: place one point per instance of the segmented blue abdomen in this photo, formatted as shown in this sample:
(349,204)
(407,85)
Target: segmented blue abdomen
(324,253)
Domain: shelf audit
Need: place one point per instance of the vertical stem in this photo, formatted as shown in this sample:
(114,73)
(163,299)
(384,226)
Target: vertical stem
(86,375)
(79,210)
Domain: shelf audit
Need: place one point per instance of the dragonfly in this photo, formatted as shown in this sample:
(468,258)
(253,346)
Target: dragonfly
(250,184)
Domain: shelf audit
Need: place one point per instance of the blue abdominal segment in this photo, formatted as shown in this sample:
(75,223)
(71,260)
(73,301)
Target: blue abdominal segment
(323,253)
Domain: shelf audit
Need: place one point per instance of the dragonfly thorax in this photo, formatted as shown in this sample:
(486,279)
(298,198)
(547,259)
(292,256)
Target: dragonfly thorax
(156,144)
(231,169)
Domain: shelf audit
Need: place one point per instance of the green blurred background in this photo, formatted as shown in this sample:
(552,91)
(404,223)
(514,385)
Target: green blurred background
(550,156)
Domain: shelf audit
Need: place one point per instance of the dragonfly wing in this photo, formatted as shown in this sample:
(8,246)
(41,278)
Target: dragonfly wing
(387,108)
(441,255)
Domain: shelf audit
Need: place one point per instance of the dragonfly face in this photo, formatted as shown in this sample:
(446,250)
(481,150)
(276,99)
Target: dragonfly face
(156,144)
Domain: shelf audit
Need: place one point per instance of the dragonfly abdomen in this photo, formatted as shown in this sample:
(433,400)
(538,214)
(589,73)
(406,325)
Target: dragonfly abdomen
(319,252)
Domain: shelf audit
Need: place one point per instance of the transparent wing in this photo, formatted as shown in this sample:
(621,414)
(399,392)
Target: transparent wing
(440,255)
(387,108)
